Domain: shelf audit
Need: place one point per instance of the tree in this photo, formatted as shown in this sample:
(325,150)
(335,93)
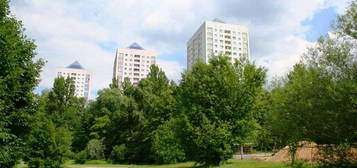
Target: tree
(50,139)
(114,119)
(154,97)
(318,100)
(347,24)
(62,105)
(261,112)
(166,143)
(18,77)
(217,100)
(47,145)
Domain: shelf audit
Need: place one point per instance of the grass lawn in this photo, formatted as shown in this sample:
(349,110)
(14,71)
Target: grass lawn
(229,164)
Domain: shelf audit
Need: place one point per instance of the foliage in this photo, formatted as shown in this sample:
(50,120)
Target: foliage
(47,145)
(217,100)
(81,157)
(18,77)
(95,149)
(62,106)
(262,136)
(129,115)
(337,156)
(347,23)
(113,118)
(318,99)
(166,142)
(118,154)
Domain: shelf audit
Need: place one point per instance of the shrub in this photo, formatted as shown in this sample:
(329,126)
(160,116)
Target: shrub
(95,149)
(166,145)
(81,157)
(118,153)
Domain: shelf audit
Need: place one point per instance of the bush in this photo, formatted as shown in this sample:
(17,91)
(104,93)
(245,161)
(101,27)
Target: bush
(95,149)
(337,156)
(166,145)
(118,153)
(81,157)
(209,143)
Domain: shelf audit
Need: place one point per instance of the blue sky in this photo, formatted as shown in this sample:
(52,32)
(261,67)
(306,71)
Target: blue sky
(320,23)
(89,31)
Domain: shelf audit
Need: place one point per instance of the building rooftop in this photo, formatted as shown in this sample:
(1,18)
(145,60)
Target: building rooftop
(136,46)
(75,65)
(217,20)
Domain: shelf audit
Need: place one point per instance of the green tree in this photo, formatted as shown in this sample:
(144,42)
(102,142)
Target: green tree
(261,112)
(113,118)
(62,105)
(49,142)
(347,24)
(166,143)
(154,97)
(217,100)
(95,149)
(318,100)
(48,145)
(18,77)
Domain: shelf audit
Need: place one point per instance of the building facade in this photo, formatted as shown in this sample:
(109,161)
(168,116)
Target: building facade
(133,63)
(215,38)
(81,77)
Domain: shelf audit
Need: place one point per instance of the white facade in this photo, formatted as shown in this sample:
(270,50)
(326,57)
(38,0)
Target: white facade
(133,63)
(81,77)
(215,38)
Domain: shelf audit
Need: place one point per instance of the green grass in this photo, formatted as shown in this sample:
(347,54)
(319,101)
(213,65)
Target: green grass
(229,164)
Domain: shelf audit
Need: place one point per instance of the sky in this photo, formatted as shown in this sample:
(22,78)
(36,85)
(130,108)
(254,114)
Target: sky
(89,31)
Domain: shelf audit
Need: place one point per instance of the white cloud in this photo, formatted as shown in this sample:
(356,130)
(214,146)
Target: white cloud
(172,69)
(340,5)
(68,30)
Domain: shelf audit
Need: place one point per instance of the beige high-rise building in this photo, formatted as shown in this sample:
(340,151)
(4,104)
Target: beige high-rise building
(215,38)
(133,63)
(81,77)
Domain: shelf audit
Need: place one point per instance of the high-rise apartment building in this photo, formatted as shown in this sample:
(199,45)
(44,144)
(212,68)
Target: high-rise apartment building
(215,38)
(133,63)
(81,77)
